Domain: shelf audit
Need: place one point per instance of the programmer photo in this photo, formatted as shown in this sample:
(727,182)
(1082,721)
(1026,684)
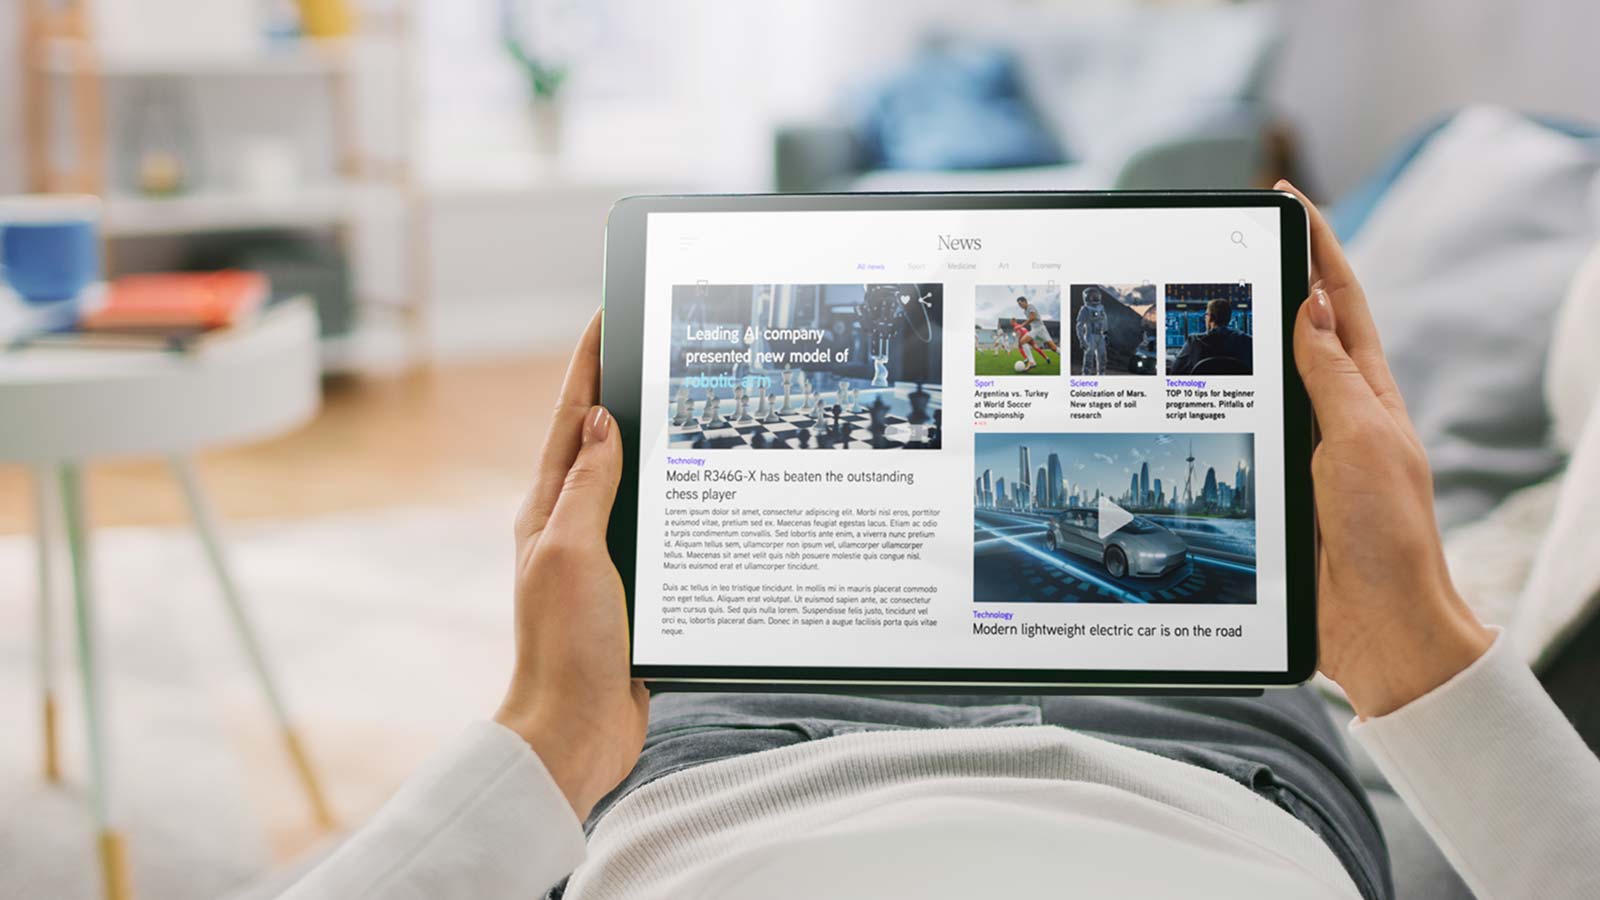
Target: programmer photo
(1208,330)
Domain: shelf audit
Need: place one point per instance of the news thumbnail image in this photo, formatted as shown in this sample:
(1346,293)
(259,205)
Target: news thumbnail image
(1016,329)
(1113,329)
(806,366)
(1114,518)
(1209,329)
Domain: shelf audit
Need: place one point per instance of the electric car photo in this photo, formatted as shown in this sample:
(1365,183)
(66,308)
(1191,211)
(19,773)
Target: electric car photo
(1141,548)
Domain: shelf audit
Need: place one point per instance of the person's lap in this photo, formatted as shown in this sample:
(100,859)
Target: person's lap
(1282,745)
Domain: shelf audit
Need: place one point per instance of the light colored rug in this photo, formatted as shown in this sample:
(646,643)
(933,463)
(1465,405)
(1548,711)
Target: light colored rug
(390,631)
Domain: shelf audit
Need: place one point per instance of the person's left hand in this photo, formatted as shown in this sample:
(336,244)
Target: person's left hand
(570,696)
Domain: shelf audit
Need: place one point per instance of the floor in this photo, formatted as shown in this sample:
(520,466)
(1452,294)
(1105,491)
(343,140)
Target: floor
(445,435)
(389,630)
(425,467)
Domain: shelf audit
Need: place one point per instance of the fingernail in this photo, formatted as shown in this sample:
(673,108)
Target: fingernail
(1322,310)
(598,424)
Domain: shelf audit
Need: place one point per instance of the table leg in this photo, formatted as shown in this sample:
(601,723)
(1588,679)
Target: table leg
(205,522)
(113,852)
(45,504)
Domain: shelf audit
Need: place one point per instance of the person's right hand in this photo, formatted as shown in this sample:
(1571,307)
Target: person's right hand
(1390,623)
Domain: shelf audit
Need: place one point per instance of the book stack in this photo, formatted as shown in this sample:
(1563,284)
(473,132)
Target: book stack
(165,310)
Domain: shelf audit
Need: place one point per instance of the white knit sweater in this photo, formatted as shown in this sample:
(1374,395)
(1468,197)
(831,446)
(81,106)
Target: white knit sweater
(1489,765)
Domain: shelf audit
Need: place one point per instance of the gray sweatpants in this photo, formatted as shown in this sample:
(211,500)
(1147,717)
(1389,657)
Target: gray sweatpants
(1283,745)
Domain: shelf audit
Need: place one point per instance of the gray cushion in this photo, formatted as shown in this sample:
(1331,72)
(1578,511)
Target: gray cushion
(1465,259)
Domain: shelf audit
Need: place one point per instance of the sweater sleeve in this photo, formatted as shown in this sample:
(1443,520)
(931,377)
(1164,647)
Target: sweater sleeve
(482,819)
(1499,778)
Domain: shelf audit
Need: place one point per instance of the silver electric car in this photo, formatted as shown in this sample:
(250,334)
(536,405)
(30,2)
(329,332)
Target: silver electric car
(1140,548)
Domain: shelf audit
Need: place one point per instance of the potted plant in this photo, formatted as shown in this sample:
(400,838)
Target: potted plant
(545,74)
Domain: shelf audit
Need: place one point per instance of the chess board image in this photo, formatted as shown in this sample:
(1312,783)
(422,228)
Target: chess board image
(805,367)
(798,431)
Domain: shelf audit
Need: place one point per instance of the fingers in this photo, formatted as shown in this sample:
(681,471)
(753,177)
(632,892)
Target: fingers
(1339,392)
(584,506)
(579,391)
(1328,263)
(1330,270)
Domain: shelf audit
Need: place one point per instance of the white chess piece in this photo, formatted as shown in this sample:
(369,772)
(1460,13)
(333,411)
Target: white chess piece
(772,416)
(684,413)
(741,405)
(713,414)
(788,388)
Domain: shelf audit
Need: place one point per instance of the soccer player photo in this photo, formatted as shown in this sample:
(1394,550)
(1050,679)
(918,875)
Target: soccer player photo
(1114,518)
(1113,328)
(1209,329)
(1015,329)
(806,367)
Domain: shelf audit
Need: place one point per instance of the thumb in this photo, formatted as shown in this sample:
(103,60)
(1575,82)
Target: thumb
(1339,393)
(584,505)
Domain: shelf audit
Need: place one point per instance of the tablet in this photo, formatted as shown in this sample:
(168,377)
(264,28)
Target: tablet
(978,441)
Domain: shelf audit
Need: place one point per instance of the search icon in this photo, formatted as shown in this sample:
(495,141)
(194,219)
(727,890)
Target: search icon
(1238,238)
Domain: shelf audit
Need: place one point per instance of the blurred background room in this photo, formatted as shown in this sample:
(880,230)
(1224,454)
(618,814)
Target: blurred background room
(289,286)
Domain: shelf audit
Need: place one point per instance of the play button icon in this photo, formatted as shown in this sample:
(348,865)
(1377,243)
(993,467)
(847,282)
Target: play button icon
(1112,517)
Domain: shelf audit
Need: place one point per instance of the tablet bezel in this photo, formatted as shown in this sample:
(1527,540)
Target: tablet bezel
(622,379)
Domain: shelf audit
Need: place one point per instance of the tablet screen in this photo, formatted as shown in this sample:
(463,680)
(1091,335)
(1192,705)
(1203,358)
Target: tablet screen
(1000,439)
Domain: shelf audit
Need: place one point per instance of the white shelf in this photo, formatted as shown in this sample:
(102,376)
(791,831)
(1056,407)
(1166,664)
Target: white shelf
(302,56)
(129,215)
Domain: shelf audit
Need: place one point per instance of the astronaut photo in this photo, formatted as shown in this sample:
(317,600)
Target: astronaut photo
(1091,328)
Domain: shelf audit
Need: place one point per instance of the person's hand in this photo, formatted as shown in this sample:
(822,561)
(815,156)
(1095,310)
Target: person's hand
(570,696)
(1390,623)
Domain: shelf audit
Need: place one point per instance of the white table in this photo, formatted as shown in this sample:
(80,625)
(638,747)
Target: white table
(62,407)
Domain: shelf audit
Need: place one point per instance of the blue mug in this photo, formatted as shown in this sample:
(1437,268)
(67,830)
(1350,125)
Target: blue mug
(49,246)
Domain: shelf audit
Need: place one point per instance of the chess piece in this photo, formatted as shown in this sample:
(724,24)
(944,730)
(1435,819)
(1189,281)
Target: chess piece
(919,411)
(805,392)
(817,414)
(919,405)
(713,414)
(825,438)
(764,406)
(841,394)
(937,434)
(683,413)
(836,429)
(788,390)
(741,406)
(879,411)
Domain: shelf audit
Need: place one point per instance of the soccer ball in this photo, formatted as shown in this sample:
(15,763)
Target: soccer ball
(1020,366)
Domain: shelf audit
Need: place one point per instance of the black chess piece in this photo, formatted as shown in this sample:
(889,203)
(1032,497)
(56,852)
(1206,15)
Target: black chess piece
(758,440)
(804,436)
(837,411)
(879,411)
(919,405)
(937,434)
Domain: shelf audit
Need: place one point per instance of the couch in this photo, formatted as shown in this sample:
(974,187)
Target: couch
(1136,97)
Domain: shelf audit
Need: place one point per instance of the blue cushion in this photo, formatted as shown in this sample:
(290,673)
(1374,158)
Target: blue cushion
(956,108)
